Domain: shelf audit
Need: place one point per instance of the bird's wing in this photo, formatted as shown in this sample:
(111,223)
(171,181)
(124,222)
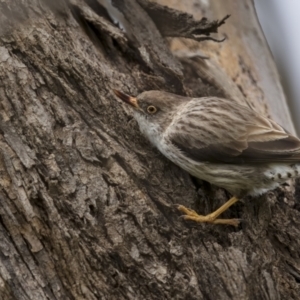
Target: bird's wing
(220,130)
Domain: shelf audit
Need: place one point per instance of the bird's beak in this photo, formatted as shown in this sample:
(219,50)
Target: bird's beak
(126,98)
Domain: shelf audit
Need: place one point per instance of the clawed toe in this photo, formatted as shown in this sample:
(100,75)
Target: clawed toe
(187,211)
(191,215)
(232,222)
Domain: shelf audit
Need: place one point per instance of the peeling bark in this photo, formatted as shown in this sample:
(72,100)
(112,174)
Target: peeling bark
(87,205)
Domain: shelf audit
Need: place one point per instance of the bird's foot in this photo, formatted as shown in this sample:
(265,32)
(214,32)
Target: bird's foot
(190,214)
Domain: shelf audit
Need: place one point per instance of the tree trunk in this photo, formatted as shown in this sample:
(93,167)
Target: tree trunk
(87,205)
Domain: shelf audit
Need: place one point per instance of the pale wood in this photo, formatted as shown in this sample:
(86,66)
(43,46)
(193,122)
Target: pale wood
(244,56)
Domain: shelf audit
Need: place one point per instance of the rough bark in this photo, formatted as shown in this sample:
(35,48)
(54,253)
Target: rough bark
(87,205)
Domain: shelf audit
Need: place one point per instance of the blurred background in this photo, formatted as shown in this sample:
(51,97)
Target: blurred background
(280,21)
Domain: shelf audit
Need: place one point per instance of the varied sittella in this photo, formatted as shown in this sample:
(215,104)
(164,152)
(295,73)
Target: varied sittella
(220,141)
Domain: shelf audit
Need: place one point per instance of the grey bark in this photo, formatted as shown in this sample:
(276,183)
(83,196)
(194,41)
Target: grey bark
(87,205)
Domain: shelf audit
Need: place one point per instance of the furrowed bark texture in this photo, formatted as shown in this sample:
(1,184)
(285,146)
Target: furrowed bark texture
(87,205)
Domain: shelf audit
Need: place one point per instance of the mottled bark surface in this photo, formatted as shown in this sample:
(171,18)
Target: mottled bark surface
(87,205)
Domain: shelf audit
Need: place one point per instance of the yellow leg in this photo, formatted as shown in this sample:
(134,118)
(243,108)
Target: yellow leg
(211,218)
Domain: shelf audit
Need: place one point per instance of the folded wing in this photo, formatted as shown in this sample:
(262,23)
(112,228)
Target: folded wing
(220,130)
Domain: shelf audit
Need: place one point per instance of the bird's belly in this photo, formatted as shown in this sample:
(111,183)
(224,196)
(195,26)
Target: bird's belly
(237,179)
(244,179)
(230,177)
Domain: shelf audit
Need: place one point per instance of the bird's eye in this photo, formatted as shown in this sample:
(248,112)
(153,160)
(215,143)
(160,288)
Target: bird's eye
(151,109)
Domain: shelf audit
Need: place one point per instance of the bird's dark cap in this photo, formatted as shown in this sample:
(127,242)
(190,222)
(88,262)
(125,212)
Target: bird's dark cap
(126,98)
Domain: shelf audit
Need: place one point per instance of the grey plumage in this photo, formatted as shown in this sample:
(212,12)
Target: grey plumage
(218,140)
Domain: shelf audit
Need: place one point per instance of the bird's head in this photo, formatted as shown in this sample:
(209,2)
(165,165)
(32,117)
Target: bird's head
(153,110)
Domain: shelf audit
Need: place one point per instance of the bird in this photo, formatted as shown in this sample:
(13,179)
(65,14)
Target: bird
(217,140)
